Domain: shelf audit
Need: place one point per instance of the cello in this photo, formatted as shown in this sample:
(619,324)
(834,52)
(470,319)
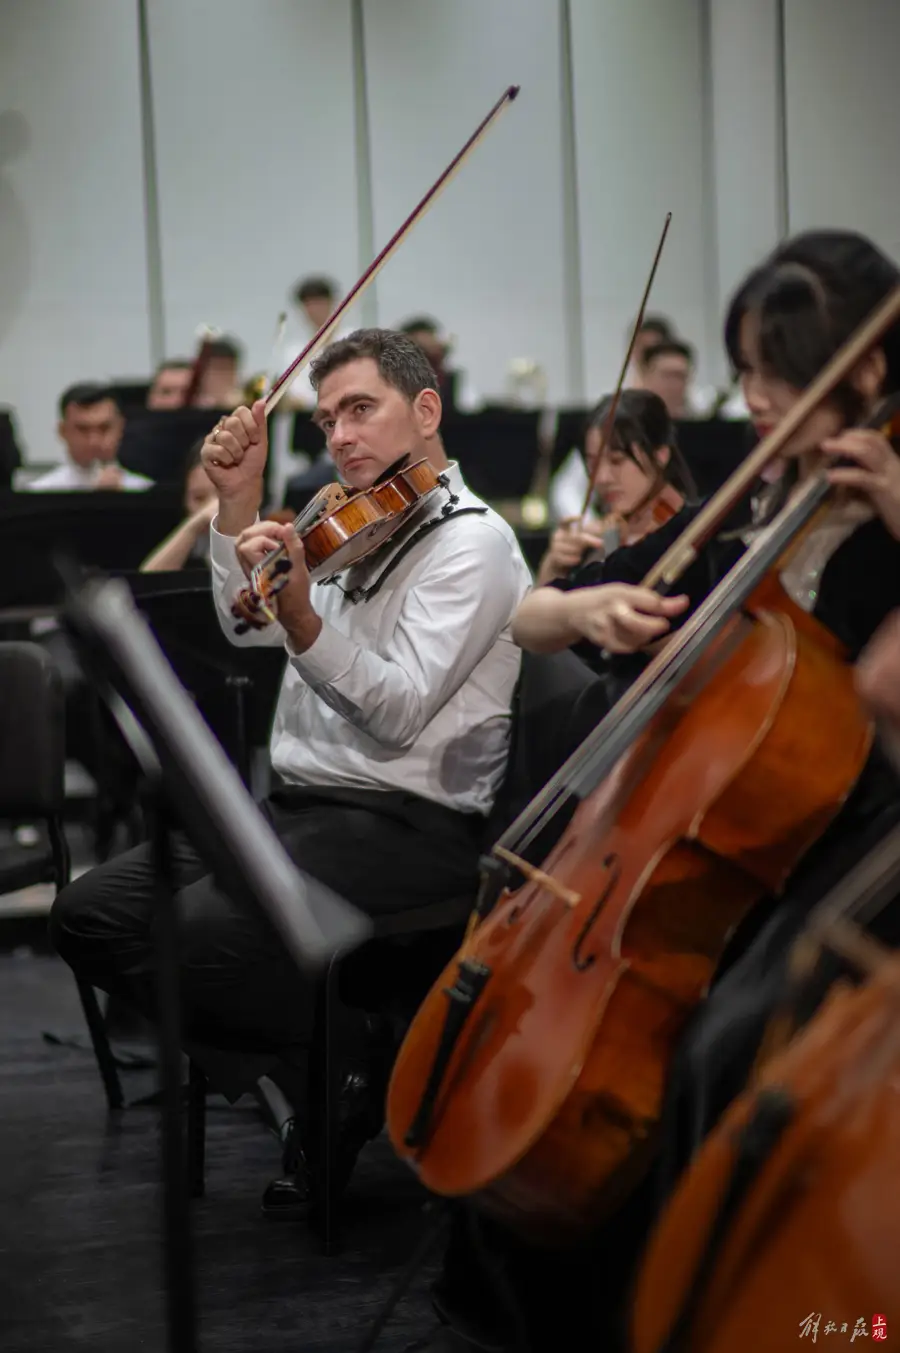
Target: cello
(531,1080)
(786,1220)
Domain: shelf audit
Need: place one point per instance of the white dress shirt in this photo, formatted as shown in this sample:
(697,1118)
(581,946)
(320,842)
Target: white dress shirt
(411,689)
(69,476)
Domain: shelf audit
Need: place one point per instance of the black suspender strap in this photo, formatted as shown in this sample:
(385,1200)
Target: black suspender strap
(356,594)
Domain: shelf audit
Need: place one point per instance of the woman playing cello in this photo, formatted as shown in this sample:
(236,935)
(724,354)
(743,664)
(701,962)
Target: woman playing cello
(786,320)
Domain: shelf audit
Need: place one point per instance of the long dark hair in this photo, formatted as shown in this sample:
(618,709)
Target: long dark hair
(643,421)
(809,296)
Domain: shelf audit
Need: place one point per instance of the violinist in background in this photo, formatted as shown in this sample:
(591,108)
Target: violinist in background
(569,483)
(458,394)
(389,743)
(641,480)
(189,542)
(786,320)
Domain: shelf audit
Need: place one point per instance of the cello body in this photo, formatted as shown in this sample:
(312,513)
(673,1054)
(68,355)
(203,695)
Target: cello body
(547,1111)
(816,1234)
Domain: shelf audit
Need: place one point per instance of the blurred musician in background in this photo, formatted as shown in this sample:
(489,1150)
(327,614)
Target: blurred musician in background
(458,394)
(667,369)
(170,384)
(314,298)
(654,330)
(220,384)
(90,427)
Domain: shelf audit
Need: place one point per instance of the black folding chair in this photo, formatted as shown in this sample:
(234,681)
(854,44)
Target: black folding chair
(32,790)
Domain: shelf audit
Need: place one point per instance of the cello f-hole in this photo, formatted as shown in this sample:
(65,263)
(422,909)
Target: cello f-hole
(580,961)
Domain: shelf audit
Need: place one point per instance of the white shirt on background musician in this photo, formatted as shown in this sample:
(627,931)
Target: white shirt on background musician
(410,689)
(69,477)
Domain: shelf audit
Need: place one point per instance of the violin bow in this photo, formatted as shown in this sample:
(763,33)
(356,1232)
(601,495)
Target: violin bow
(609,421)
(268,382)
(684,551)
(319,341)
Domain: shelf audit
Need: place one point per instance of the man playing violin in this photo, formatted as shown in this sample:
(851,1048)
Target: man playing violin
(390,735)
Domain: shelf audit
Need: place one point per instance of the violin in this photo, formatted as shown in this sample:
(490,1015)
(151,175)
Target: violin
(340,528)
(531,1080)
(787,1216)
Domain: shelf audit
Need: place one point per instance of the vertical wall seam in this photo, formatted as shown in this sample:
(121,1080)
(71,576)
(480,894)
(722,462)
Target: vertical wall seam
(783,201)
(573,301)
(152,234)
(365,206)
(712,279)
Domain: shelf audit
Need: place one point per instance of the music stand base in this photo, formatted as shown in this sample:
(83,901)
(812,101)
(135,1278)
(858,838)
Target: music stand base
(178,1251)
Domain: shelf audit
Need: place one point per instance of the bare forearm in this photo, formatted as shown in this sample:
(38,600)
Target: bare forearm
(544,622)
(173,553)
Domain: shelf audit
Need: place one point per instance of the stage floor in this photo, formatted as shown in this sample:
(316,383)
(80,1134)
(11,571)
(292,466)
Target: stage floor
(80,1248)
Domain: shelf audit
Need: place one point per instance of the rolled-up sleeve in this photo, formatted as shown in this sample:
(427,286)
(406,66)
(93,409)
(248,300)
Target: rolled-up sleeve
(450,619)
(227,580)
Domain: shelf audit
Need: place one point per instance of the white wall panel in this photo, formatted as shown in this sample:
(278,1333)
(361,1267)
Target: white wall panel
(639,76)
(747,137)
(253,106)
(487,261)
(843,116)
(73,302)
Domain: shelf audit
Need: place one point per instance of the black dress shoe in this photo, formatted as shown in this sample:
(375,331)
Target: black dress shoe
(360,1119)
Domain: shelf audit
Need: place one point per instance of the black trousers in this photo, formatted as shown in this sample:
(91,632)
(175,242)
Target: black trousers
(241,993)
(494,1288)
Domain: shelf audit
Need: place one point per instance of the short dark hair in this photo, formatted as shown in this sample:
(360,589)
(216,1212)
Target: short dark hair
(672,347)
(419,324)
(643,421)
(658,324)
(173,364)
(225,347)
(401,362)
(85,394)
(809,295)
(314,289)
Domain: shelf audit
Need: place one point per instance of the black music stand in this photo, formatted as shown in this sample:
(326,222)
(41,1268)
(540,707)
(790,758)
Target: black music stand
(235,688)
(497,450)
(713,449)
(156,442)
(103,529)
(190,780)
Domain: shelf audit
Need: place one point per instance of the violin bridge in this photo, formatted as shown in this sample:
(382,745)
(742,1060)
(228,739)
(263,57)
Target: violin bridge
(535,875)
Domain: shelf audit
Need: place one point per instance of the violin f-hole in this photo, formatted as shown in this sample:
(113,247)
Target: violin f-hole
(581,962)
